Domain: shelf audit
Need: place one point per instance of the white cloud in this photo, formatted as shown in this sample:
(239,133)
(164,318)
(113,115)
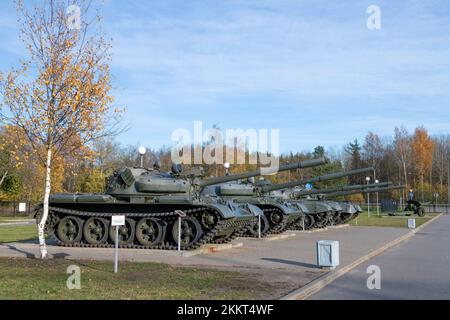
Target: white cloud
(275,52)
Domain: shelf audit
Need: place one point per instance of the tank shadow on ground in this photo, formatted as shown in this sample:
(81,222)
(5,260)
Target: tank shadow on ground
(294,263)
(26,253)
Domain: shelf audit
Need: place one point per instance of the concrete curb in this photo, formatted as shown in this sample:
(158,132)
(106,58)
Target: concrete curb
(311,231)
(211,248)
(318,284)
(339,226)
(283,236)
(279,237)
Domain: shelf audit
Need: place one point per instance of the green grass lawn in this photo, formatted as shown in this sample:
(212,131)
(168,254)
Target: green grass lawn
(18,233)
(386,221)
(46,280)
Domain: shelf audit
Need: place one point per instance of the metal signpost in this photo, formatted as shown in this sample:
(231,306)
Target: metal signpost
(368,198)
(308,186)
(117,222)
(436,196)
(259,226)
(181,215)
(378,200)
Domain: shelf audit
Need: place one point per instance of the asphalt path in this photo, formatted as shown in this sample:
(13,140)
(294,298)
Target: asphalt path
(416,269)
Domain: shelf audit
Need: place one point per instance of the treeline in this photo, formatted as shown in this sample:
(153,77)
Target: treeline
(415,159)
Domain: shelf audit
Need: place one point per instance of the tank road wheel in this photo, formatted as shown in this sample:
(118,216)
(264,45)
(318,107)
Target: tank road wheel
(149,231)
(275,217)
(126,232)
(254,232)
(336,219)
(209,220)
(70,229)
(309,221)
(95,230)
(421,212)
(191,231)
(321,220)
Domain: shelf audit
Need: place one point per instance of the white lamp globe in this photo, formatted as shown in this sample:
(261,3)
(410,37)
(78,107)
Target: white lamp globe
(142,151)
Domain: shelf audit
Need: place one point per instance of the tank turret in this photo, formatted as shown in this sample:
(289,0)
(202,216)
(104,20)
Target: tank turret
(136,183)
(261,171)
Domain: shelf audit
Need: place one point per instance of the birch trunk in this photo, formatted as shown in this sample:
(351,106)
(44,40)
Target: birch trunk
(41,227)
(3,178)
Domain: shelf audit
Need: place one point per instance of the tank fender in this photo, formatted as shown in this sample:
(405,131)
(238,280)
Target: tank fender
(357,207)
(335,205)
(224,210)
(302,207)
(286,208)
(255,210)
(348,208)
(319,207)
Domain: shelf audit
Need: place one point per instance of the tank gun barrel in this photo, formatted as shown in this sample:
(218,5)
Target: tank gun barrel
(331,176)
(261,171)
(372,190)
(344,188)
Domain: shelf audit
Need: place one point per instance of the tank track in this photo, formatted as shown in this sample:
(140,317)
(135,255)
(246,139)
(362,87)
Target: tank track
(298,224)
(321,221)
(277,229)
(350,218)
(206,238)
(236,234)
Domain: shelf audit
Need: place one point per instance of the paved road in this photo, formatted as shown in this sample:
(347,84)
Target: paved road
(416,269)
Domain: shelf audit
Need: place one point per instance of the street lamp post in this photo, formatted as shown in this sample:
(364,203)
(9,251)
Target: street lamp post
(142,152)
(368,198)
(436,196)
(448,187)
(378,200)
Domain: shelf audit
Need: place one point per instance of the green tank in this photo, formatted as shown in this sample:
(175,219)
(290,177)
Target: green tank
(152,201)
(341,212)
(279,214)
(292,214)
(320,213)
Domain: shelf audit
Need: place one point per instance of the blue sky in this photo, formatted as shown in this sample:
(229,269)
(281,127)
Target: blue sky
(309,68)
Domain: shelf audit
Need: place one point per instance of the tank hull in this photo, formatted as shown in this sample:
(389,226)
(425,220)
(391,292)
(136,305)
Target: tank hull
(84,220)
